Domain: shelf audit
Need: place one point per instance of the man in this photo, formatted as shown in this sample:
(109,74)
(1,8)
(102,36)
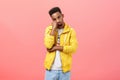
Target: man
(60,42)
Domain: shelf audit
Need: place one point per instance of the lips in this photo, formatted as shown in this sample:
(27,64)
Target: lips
(59,24)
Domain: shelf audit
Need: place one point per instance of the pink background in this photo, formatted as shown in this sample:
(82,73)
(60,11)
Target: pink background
(97,24)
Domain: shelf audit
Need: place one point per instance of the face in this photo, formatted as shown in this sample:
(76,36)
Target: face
(58,18)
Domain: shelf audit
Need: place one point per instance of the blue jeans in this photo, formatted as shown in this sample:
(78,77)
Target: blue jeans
(57,75)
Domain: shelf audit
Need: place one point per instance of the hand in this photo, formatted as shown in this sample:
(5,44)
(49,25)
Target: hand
(54,48)
(54,25)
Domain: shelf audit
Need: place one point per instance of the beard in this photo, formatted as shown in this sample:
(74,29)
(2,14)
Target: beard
(60,25)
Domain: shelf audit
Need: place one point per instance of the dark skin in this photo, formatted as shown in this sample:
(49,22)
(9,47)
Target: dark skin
(58,22)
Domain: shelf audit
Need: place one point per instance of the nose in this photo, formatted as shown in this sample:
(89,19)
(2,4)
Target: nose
(58,20)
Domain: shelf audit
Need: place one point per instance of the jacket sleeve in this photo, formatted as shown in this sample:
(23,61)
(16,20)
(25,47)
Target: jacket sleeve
(73,43)
(48,39)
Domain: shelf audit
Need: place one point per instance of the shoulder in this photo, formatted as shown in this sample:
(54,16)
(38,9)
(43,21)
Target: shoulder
(71,28)
(48,28)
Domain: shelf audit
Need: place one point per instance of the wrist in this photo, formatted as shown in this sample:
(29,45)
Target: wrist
(52,32)
(60,48)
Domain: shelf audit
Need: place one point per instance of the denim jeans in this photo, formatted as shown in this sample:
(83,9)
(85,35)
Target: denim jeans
(57,75)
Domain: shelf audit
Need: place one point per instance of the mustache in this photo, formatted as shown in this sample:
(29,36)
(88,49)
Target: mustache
(59,24)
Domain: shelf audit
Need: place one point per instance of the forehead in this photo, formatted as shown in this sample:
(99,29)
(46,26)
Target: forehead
(55,15)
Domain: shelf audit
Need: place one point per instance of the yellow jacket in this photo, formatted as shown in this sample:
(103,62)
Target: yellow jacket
(67,40)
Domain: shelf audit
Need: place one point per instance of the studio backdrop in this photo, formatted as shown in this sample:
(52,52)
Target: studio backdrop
(22,27)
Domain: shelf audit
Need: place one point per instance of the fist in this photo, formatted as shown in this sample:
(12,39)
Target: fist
(54,25)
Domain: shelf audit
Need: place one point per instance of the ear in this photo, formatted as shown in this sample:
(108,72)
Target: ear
(63,15)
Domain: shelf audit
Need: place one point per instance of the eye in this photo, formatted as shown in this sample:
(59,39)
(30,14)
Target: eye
(53,19)
(58,17)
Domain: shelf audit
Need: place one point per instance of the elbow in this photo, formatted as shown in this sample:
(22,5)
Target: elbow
(48,45)
(69,49)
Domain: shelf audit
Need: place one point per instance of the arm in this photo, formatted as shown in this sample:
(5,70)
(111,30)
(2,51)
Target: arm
(54,48)
(67,49)
(73,43)
(49,39)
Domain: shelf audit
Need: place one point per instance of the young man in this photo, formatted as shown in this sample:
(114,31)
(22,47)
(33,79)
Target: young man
(60,42)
